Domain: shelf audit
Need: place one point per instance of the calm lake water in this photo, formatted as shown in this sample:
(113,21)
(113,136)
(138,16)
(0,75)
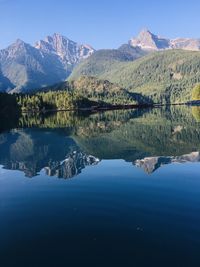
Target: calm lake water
(119,188)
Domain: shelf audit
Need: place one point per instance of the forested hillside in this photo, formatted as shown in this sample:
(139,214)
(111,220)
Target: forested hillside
(104,61)
(100,91)
(166,76)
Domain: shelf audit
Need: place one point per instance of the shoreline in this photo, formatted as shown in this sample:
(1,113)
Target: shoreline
(93,108)
(114,107)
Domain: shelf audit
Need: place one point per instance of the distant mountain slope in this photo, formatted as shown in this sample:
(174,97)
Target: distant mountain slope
(135,52)
(103,61)
(148,41)
(25,67)
(5,84)
(166,76)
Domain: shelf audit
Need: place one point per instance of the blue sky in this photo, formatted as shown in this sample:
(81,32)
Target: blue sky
(101,23)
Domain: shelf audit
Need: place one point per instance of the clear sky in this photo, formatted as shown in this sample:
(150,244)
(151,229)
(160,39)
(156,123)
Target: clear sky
(101,23)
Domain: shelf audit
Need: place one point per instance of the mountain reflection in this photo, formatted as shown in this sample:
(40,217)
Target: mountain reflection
(63,144)
(71,166)
(151,164)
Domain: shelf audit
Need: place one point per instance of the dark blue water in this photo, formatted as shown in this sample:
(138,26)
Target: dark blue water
(112,189)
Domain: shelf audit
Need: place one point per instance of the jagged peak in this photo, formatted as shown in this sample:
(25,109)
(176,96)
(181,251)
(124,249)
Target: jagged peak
(19,44)
(147,33)
(145,30)
(57,36)
(57,39)
(149,41)
(68,51)
(19,41)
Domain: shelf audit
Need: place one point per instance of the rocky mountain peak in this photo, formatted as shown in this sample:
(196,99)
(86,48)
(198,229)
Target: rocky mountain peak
(145,33)
(146,40)
(50,61)
(67,50)
(19,42)
(16,49)
(149,41)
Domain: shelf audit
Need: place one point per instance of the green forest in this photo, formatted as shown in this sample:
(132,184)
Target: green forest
(164,77)
(84,93)
(59,100)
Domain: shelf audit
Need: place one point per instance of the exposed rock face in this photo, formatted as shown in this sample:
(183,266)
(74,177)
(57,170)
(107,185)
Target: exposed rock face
(24,67)
(150,164)
(185,44)
(67,50)
(149,41)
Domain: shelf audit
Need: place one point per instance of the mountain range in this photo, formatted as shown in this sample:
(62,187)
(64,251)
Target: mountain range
(148,64)
(159,73)
(24,67)
(149,41)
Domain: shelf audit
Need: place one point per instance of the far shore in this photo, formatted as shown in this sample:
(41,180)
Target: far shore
(115,107)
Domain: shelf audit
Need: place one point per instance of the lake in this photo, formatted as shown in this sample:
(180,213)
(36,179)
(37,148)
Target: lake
(117,188)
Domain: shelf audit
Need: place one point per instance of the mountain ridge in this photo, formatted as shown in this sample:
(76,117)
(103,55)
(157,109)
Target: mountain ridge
(149,41)
(69,51)
(27,67)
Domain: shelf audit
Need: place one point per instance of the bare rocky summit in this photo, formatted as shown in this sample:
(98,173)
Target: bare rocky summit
(149,41)
(67,50)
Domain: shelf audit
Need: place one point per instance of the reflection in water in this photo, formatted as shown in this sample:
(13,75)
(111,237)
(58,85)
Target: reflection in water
(65,143)
(196,113)
(150,164)
(113,210)
(71,166)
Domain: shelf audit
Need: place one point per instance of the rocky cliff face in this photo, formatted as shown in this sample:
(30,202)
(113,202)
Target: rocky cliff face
(68,51)
(149,41)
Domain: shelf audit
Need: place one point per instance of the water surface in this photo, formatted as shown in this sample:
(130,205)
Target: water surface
(120,188)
